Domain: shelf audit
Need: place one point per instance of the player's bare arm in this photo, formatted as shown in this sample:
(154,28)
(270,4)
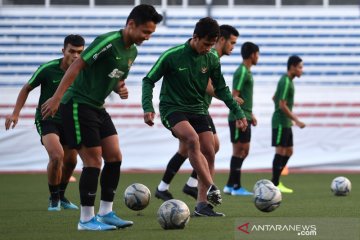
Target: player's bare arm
(289,114)
(236,95)
(149,118)
(122,90)
(50,107)
(254,120)
(12,120)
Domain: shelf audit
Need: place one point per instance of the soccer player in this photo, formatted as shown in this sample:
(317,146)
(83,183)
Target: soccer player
(62,160)
(224,46)
(243,85)
(101,69)
(283,118)
(186,70)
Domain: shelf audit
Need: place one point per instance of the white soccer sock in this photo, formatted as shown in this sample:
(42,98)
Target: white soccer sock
(163,186)
(105,207)
(86,213)
(192,182)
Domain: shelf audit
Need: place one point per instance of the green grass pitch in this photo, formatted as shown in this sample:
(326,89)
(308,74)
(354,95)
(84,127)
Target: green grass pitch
(24,215)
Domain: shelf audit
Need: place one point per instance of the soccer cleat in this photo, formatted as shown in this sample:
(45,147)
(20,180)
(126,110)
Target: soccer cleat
(114,220)
(54,206)
(284,189)
(164,195)
(66,204)
(207,211)
(241,192)
(214,195)
(191,191)
(227,189)
(94,225)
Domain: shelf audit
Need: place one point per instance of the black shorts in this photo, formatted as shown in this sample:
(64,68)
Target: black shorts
(85,125)
(45,127)
(236,135)
(210,120)
(199,122)
(282,137)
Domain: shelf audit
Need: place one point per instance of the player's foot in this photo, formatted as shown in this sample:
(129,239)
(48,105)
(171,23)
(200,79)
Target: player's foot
(94,225)
(114,220)
(241,192)
(284,189)
(164,195)
(214,195)
(207,211)
(227,189)
(54,205)
(66,204)
(191,191)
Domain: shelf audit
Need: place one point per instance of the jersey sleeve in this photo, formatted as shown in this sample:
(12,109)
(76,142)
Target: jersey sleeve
(148,83)
(222,91)
(96,50)
(284,88)
(37,77)
(239,78)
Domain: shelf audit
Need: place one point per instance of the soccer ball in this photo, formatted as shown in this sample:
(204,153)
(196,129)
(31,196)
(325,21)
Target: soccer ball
(341,186)
(173,214)
(267,197)
(137,196)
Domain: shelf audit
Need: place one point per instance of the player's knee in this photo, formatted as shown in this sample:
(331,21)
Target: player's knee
(192,141)
(56,159)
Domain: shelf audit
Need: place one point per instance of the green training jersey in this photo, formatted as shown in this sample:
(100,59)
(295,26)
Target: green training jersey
(244,83)
(48,75)
(108,61)
(185,77)
(208,98)
(285,91)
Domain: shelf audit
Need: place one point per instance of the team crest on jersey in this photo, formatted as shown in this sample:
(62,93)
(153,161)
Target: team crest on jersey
(116,73)
(204,69)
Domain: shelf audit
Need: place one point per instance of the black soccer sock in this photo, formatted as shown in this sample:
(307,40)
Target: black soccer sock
(88,185)
(173,167)
(285,160)
(235,172)
(194,174)
(54,192)
(62,188)
(277,168)
(109,180)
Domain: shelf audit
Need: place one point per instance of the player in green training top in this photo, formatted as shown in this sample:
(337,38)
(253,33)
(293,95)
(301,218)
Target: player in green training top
(243,85)
(102,68)
(283,118)
(224,46)
(62,160)
(186,70)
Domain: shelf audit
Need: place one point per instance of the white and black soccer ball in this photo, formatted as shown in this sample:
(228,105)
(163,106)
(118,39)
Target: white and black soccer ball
(173,214)
(261,182)
(341,186)
(137,196)
(267,197)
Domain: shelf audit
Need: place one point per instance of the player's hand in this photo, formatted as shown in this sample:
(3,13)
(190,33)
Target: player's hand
(50,107)
(11,119)
(239,100)
(149,118)
(123,92)
(254,121)
(300,124)
(242,124)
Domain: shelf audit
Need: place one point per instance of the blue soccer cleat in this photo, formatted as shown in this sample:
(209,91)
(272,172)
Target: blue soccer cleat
(94,225)
(227,189)
(241,192)
(54,206)
(114,220)
(66,204)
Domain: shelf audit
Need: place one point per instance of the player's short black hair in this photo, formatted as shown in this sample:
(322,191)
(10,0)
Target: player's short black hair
(293,61)
(226,31)
(248,48)
(75,40)
(144,13)
(207,27)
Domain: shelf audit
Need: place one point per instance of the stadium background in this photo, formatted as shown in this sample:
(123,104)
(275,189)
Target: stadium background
(325,33)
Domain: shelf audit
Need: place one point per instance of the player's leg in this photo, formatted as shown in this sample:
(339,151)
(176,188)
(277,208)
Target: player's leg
(55,151)
(81,128)
(69,164)
(162,191)
(110,174)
